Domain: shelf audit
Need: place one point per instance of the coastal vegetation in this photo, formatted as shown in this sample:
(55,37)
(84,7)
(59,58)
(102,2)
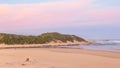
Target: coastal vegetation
(40,39)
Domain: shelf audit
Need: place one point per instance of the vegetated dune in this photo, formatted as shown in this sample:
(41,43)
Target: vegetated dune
(44,38)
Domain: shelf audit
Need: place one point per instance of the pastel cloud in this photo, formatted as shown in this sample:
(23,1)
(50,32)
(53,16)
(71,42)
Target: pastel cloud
(56,15)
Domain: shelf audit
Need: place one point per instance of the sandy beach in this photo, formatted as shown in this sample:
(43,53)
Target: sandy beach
(57,58)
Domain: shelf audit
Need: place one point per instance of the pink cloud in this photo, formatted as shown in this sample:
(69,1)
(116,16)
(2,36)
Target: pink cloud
(53,15)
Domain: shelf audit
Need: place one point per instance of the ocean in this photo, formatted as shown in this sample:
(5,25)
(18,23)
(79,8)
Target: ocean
(104,45)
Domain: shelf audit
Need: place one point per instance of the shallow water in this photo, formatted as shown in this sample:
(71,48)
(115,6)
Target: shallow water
(105,45)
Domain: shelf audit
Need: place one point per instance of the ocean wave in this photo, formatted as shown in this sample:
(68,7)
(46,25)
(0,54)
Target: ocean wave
(107,42)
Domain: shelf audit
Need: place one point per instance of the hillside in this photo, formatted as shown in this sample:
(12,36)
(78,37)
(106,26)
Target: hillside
(40,39)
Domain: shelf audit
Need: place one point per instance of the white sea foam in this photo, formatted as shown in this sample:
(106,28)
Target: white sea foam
(108,42)
(105,45)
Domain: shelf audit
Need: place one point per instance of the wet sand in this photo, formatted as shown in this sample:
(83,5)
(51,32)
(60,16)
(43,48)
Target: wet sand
(57,58)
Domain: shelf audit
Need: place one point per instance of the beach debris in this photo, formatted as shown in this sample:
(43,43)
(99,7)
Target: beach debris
(23,64)
(27,59)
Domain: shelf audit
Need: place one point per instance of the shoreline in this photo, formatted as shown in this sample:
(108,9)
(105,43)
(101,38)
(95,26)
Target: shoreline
(52,47)
(56,46)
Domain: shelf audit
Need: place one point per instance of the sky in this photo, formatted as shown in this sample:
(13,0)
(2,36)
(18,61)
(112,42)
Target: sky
(90,19)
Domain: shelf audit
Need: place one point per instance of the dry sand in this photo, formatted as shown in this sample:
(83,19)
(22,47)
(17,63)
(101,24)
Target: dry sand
(57,58)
